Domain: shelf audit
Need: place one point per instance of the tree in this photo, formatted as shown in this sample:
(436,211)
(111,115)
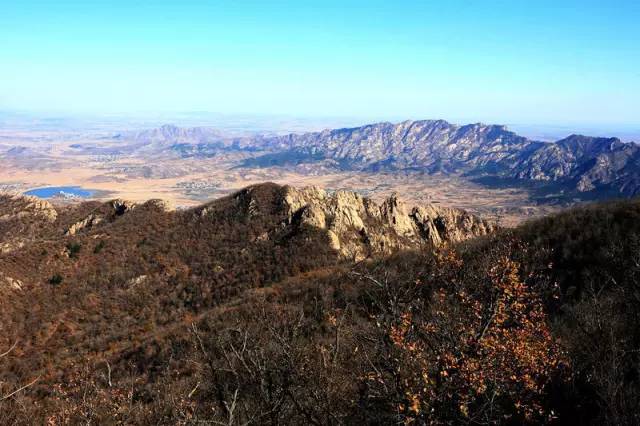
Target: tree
(469,344)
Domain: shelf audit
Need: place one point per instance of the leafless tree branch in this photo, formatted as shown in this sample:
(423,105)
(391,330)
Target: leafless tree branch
(20,389)
(10,349)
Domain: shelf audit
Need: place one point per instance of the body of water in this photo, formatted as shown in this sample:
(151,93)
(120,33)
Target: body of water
(60,191)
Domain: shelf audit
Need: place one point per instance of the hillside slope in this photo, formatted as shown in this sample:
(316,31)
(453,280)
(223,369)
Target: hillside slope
(243,310)
(259,221)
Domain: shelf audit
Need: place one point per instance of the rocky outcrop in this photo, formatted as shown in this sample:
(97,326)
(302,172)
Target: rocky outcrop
(87,222)
(357,226)
(21,218)
(586,163)
(111,210)
(354,226)
(8,283)
(120,206)
(15,206)
(136,280)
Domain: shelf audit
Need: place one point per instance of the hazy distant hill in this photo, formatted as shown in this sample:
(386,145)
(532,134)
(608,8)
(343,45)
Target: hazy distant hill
(588,166)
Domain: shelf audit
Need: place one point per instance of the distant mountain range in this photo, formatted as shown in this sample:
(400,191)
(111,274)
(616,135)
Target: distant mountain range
(579,164)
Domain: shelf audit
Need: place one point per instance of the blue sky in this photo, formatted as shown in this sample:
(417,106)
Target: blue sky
(494,61)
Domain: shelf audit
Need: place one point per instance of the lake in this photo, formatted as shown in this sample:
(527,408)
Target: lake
(61,191)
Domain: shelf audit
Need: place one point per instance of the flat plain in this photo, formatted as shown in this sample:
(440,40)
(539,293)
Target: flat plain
(39,159)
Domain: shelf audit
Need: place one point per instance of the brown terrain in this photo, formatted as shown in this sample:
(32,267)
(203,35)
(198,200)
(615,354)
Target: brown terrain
(277,305)
(190,181)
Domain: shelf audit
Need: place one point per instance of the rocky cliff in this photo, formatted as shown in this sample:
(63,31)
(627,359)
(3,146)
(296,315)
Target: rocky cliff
(579,163)
(358,227)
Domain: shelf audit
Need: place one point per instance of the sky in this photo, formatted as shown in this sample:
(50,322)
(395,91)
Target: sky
(553,62)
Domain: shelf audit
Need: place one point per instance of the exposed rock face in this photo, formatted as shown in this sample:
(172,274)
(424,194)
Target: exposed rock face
(357,226)
(21,217)
(110,211)
(16,206)
(136,280)
(87,222)
(8,283)
(267,223)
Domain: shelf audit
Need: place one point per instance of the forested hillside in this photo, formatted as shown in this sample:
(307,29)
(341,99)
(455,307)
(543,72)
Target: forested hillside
(247,311)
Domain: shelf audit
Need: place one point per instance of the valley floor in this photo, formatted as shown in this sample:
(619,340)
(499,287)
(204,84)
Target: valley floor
(189,182)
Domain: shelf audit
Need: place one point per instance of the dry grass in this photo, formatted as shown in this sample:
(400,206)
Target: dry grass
(140,179)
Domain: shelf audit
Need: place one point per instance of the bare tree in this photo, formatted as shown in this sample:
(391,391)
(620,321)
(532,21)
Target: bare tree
(21,388)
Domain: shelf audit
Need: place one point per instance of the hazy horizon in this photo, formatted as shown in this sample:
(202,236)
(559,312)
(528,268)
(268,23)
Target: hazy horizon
(574,64)
(277,123)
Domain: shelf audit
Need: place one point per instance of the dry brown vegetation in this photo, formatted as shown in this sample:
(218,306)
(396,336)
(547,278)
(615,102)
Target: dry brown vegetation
(181,318)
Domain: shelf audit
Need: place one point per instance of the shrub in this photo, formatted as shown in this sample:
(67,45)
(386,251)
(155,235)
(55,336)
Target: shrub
(74,250)
(55,279)
(98,248)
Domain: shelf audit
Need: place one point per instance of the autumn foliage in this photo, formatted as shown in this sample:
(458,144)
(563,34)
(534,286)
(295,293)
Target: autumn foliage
(474,353)
(217,326)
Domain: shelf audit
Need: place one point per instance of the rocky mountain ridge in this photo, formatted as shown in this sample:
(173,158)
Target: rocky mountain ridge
(262,219)
(22,216)
(169,134)
(579,164)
